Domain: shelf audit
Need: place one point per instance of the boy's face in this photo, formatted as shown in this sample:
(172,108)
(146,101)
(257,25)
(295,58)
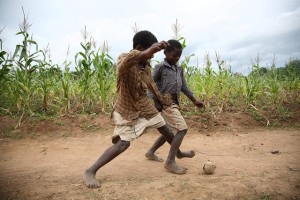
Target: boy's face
(173,56)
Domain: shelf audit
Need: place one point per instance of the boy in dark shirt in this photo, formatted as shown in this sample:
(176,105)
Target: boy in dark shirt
(169,78)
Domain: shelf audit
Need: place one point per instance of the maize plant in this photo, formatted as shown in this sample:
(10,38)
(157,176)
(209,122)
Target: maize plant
(26,65)
(252,88)
(105,77)
(85,71)
(65,78)
(46,80)
(5,67)
(206,82)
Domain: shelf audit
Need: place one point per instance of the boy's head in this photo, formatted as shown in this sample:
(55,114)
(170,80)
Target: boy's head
(143,39)
(173,52)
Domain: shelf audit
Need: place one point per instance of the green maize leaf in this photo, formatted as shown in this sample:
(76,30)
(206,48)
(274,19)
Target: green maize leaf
(33,55)
(39,90)
(20,76)
(28,62)
(91,54)
(19,33)
(26,35)
(19,103)
(16,51)
(32,69)
(109,56)
(21,65)
(83,46)
(85,65)
(23,54)
(83,55)
(23,87)
(2,53)
(3,71)
(32,42)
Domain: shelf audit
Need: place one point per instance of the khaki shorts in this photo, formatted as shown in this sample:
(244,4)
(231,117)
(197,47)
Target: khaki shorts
(130,132)
(174,119)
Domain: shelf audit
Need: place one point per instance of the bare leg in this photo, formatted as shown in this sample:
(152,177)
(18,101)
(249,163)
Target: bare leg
(151,152)
(184,154)
(116,149)
(175,142)
(159,142)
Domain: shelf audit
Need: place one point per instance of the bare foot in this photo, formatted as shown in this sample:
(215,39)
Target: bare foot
(173,167)
(185,154)
(152,156)
(90,181)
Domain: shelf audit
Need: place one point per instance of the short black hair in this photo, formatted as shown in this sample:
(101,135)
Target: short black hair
(144,38)
(174,44)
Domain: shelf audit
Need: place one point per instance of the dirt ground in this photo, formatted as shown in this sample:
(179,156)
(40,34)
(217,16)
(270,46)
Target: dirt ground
(46,159)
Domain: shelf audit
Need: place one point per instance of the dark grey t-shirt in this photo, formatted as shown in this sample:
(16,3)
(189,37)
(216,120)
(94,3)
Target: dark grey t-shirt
(170,79)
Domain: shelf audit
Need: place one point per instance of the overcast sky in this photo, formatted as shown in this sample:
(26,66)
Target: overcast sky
(238,30)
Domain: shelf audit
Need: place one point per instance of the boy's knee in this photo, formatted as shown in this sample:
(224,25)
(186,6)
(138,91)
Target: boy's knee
(184,131)
(123,145)
(164,129)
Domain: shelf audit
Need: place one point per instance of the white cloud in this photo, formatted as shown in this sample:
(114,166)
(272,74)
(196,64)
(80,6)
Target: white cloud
(237,29)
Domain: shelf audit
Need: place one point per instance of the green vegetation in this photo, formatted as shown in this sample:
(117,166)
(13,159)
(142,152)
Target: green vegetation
(259,94)
(30,84)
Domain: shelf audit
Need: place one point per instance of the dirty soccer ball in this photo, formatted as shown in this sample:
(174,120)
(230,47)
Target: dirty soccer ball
(209,167)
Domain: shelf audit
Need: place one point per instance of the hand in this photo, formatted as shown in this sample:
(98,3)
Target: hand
(199,104)
(163,44)
(160,45)
(154,48)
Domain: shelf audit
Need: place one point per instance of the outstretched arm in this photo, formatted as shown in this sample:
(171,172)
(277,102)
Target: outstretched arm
(148,53)
(139,55)
(189,93)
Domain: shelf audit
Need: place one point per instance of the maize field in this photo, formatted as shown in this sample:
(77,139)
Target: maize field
(31,85)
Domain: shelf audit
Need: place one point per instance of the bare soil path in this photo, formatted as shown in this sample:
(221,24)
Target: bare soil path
(51,167)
